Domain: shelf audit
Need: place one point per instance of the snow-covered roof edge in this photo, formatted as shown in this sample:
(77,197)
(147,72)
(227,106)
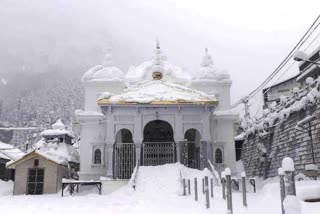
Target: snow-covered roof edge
(298,101)
(12,164)
(9,152)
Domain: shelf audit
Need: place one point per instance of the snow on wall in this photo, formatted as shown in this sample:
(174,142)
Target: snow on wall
(277,131)
(282,140)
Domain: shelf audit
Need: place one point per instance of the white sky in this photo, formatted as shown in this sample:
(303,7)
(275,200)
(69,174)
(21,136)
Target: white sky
(246,38)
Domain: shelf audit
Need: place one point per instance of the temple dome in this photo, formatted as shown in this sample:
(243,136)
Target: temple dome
(208,72)
(158,63)
(105,72)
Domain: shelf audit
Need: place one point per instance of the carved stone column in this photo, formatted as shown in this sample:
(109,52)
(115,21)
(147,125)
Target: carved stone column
(138,152)
(178,149)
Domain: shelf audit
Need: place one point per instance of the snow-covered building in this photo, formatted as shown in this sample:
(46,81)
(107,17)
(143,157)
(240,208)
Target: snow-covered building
(8,153)
(40,171)
(156,113)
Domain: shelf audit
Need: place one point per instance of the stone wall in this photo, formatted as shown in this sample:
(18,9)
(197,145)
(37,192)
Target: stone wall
(262,153)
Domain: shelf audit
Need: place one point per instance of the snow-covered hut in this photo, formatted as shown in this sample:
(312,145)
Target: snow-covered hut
(41,171)
(156,113)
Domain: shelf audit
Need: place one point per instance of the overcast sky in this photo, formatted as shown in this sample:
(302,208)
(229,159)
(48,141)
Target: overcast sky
(246,38)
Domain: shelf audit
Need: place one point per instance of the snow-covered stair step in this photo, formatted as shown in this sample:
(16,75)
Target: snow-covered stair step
(163,179)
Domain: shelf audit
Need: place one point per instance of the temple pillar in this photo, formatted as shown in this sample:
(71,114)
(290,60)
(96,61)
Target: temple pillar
(138,152)
(203,154)
(109,154)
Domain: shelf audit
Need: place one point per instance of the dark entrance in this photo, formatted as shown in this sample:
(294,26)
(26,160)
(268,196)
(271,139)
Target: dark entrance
(158,144)
(35,181)
(191,149)
(124,155)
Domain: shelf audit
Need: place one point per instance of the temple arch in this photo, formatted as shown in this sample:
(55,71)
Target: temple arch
(158,145)
(124,155)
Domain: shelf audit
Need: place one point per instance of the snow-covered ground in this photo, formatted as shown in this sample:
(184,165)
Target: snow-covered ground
(158,191)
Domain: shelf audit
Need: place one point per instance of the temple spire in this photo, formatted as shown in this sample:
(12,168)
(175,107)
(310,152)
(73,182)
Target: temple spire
(206,59)
(157,61)
(107,61)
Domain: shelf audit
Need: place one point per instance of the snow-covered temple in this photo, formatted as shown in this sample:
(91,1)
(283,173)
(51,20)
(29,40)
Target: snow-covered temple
(156,113)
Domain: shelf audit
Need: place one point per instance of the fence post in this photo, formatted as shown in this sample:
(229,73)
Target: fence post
(291,204)
(229,191)
(211,185)
(223,182)
(282,188)
(207,191)
(189,190)
(244,189)
(184,186)
(195,189)
(288,168)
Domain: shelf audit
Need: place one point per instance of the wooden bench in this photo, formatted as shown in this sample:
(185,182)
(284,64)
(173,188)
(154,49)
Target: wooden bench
(74,185)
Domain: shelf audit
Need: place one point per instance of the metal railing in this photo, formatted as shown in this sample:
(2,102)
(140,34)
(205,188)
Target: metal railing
(124,160)
(158,153)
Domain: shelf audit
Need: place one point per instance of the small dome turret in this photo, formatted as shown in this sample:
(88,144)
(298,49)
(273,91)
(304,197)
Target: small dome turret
(104,72)
(208,71)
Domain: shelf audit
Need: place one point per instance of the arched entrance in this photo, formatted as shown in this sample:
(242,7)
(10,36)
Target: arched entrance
(158,144)
(124,155)
(191,149)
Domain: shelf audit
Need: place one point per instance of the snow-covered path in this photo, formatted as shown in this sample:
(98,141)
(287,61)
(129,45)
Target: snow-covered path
(164,180)
(157,193)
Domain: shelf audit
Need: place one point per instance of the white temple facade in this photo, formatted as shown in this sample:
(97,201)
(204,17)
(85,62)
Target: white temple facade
(154,114)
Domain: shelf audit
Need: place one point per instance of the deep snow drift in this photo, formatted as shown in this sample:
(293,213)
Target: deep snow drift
(158,193)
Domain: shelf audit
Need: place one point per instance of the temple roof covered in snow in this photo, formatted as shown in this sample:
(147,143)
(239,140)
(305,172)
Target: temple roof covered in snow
(158,92)
(105,72)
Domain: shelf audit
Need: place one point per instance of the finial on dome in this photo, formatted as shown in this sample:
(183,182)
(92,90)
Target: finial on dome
(107,61)
(157,75)
(206,59)
(157,63)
